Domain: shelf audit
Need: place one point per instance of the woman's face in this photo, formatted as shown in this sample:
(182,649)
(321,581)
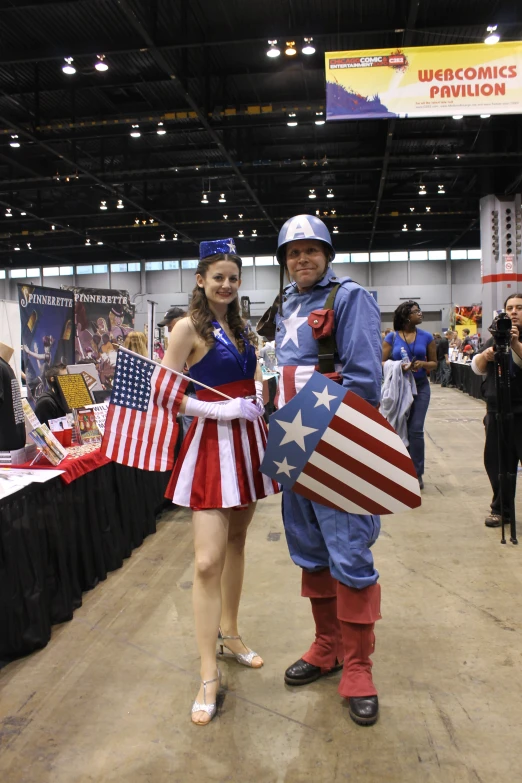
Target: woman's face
(415,316)
(221,282)
(306,262)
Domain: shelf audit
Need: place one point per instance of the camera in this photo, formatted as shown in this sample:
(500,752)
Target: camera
(500,330)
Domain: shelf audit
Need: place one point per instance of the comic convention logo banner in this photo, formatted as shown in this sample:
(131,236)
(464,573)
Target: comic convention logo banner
(424,81)
(46,318)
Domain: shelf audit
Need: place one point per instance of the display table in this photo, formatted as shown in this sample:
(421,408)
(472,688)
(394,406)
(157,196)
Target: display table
(61,538)
(463,377)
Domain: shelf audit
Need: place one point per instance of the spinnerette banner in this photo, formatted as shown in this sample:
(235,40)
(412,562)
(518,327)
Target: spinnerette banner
(47,319)
(424,81)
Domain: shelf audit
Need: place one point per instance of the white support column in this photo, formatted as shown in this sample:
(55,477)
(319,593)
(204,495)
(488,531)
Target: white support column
(500,240)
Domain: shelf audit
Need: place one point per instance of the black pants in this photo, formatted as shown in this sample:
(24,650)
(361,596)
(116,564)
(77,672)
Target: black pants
(513,455)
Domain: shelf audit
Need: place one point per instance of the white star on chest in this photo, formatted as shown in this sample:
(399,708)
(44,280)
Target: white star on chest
(292,324)
(217,333)
(284,467)
(323,398)
(295,431)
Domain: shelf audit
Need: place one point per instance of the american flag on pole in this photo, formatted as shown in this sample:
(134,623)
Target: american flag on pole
(141,430)
(333,447)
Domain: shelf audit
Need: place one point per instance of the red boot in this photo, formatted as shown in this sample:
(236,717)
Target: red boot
(358,611)
(325,654)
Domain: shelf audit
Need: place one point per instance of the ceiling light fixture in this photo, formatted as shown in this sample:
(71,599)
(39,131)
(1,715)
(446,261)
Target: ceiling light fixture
(8,212)
(204,198)
(175,237)
(53,228)
(330,193)
(428,209)
(17,247)
(120,204)
(241,234)
(68,68)
(254,232)
(161,131)
(292,121)
(240,216)
(422,190)
(332,212)
(103,205)
(136,221)
(14,140)
(88,242)
(458,116)
(404,227)
(419,227)
(99,243)
(485,116)
(222,199)
(162,238)
(312,193)
(335,230)
(23,214)
(225,216)
(101,65)
(29,246)
(290,50)
(308,48)
(441,190)
(135,132)
(412,209)
(151,220)
(273,51)
(493,36)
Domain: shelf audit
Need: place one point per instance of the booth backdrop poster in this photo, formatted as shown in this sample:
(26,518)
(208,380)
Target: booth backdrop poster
(47,335)
(424,81)
(103,317)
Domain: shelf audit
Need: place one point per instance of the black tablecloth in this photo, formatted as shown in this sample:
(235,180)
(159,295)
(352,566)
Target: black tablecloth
(463,377)
(57,540)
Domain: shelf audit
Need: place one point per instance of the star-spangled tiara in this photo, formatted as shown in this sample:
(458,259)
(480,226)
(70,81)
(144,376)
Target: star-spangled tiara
(216,246)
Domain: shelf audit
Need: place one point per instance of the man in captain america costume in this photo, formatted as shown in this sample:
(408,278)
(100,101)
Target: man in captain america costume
(332,547)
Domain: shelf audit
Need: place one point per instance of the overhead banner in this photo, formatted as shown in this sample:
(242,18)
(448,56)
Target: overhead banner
(424,81)
(103,317)
(47,335)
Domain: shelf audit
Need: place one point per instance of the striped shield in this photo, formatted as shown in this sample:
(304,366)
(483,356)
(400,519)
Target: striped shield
(332,447)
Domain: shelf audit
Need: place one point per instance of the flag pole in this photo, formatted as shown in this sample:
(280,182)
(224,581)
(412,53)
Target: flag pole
(181,375)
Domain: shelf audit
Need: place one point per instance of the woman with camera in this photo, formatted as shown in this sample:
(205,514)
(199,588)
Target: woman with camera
(416,349)
(483,364)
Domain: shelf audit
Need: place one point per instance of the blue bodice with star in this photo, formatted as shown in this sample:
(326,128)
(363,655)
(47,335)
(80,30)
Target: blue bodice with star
(223,363)
(357,333)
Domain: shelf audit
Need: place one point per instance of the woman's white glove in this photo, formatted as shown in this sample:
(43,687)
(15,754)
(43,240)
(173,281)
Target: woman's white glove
(239,408)
(259,396)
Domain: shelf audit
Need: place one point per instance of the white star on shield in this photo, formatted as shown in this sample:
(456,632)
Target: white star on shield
(295,431)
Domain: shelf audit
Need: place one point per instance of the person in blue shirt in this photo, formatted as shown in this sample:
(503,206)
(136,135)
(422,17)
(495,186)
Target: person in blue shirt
(416,348)
(332,547)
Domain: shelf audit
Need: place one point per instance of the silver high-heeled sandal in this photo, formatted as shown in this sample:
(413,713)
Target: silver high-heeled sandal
(243,658)
(210,709)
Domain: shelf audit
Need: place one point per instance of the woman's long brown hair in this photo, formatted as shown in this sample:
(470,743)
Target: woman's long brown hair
(201,314)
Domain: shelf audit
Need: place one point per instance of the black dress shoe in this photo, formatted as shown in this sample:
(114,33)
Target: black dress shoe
(364,710)
(302,673)
(421,483)
(493,520)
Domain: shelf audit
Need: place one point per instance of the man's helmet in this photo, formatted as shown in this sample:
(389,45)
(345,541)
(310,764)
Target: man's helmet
(302,227)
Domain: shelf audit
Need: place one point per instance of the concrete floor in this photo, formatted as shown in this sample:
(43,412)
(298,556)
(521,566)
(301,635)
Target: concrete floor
(109,698)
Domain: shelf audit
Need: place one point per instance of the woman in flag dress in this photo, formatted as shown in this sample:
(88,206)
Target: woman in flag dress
(217,472)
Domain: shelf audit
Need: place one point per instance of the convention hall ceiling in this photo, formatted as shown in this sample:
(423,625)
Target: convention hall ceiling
(213,153)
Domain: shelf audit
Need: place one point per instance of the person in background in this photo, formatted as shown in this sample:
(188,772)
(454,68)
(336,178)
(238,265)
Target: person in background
(466,338)
(443,361)
(416,348)
(135,341)
(171,318)
(50,405)
(483,364)
(455,341)
(434,375)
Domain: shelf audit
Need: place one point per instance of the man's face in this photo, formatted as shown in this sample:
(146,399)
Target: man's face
(306,262)
(514,310)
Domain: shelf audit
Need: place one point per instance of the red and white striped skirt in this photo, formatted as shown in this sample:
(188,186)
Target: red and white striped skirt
(218,464)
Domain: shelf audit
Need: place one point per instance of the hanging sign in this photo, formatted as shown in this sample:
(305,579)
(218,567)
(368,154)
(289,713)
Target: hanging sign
(424,81)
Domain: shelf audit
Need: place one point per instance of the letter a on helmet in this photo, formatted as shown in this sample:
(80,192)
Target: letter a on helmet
(303,227)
